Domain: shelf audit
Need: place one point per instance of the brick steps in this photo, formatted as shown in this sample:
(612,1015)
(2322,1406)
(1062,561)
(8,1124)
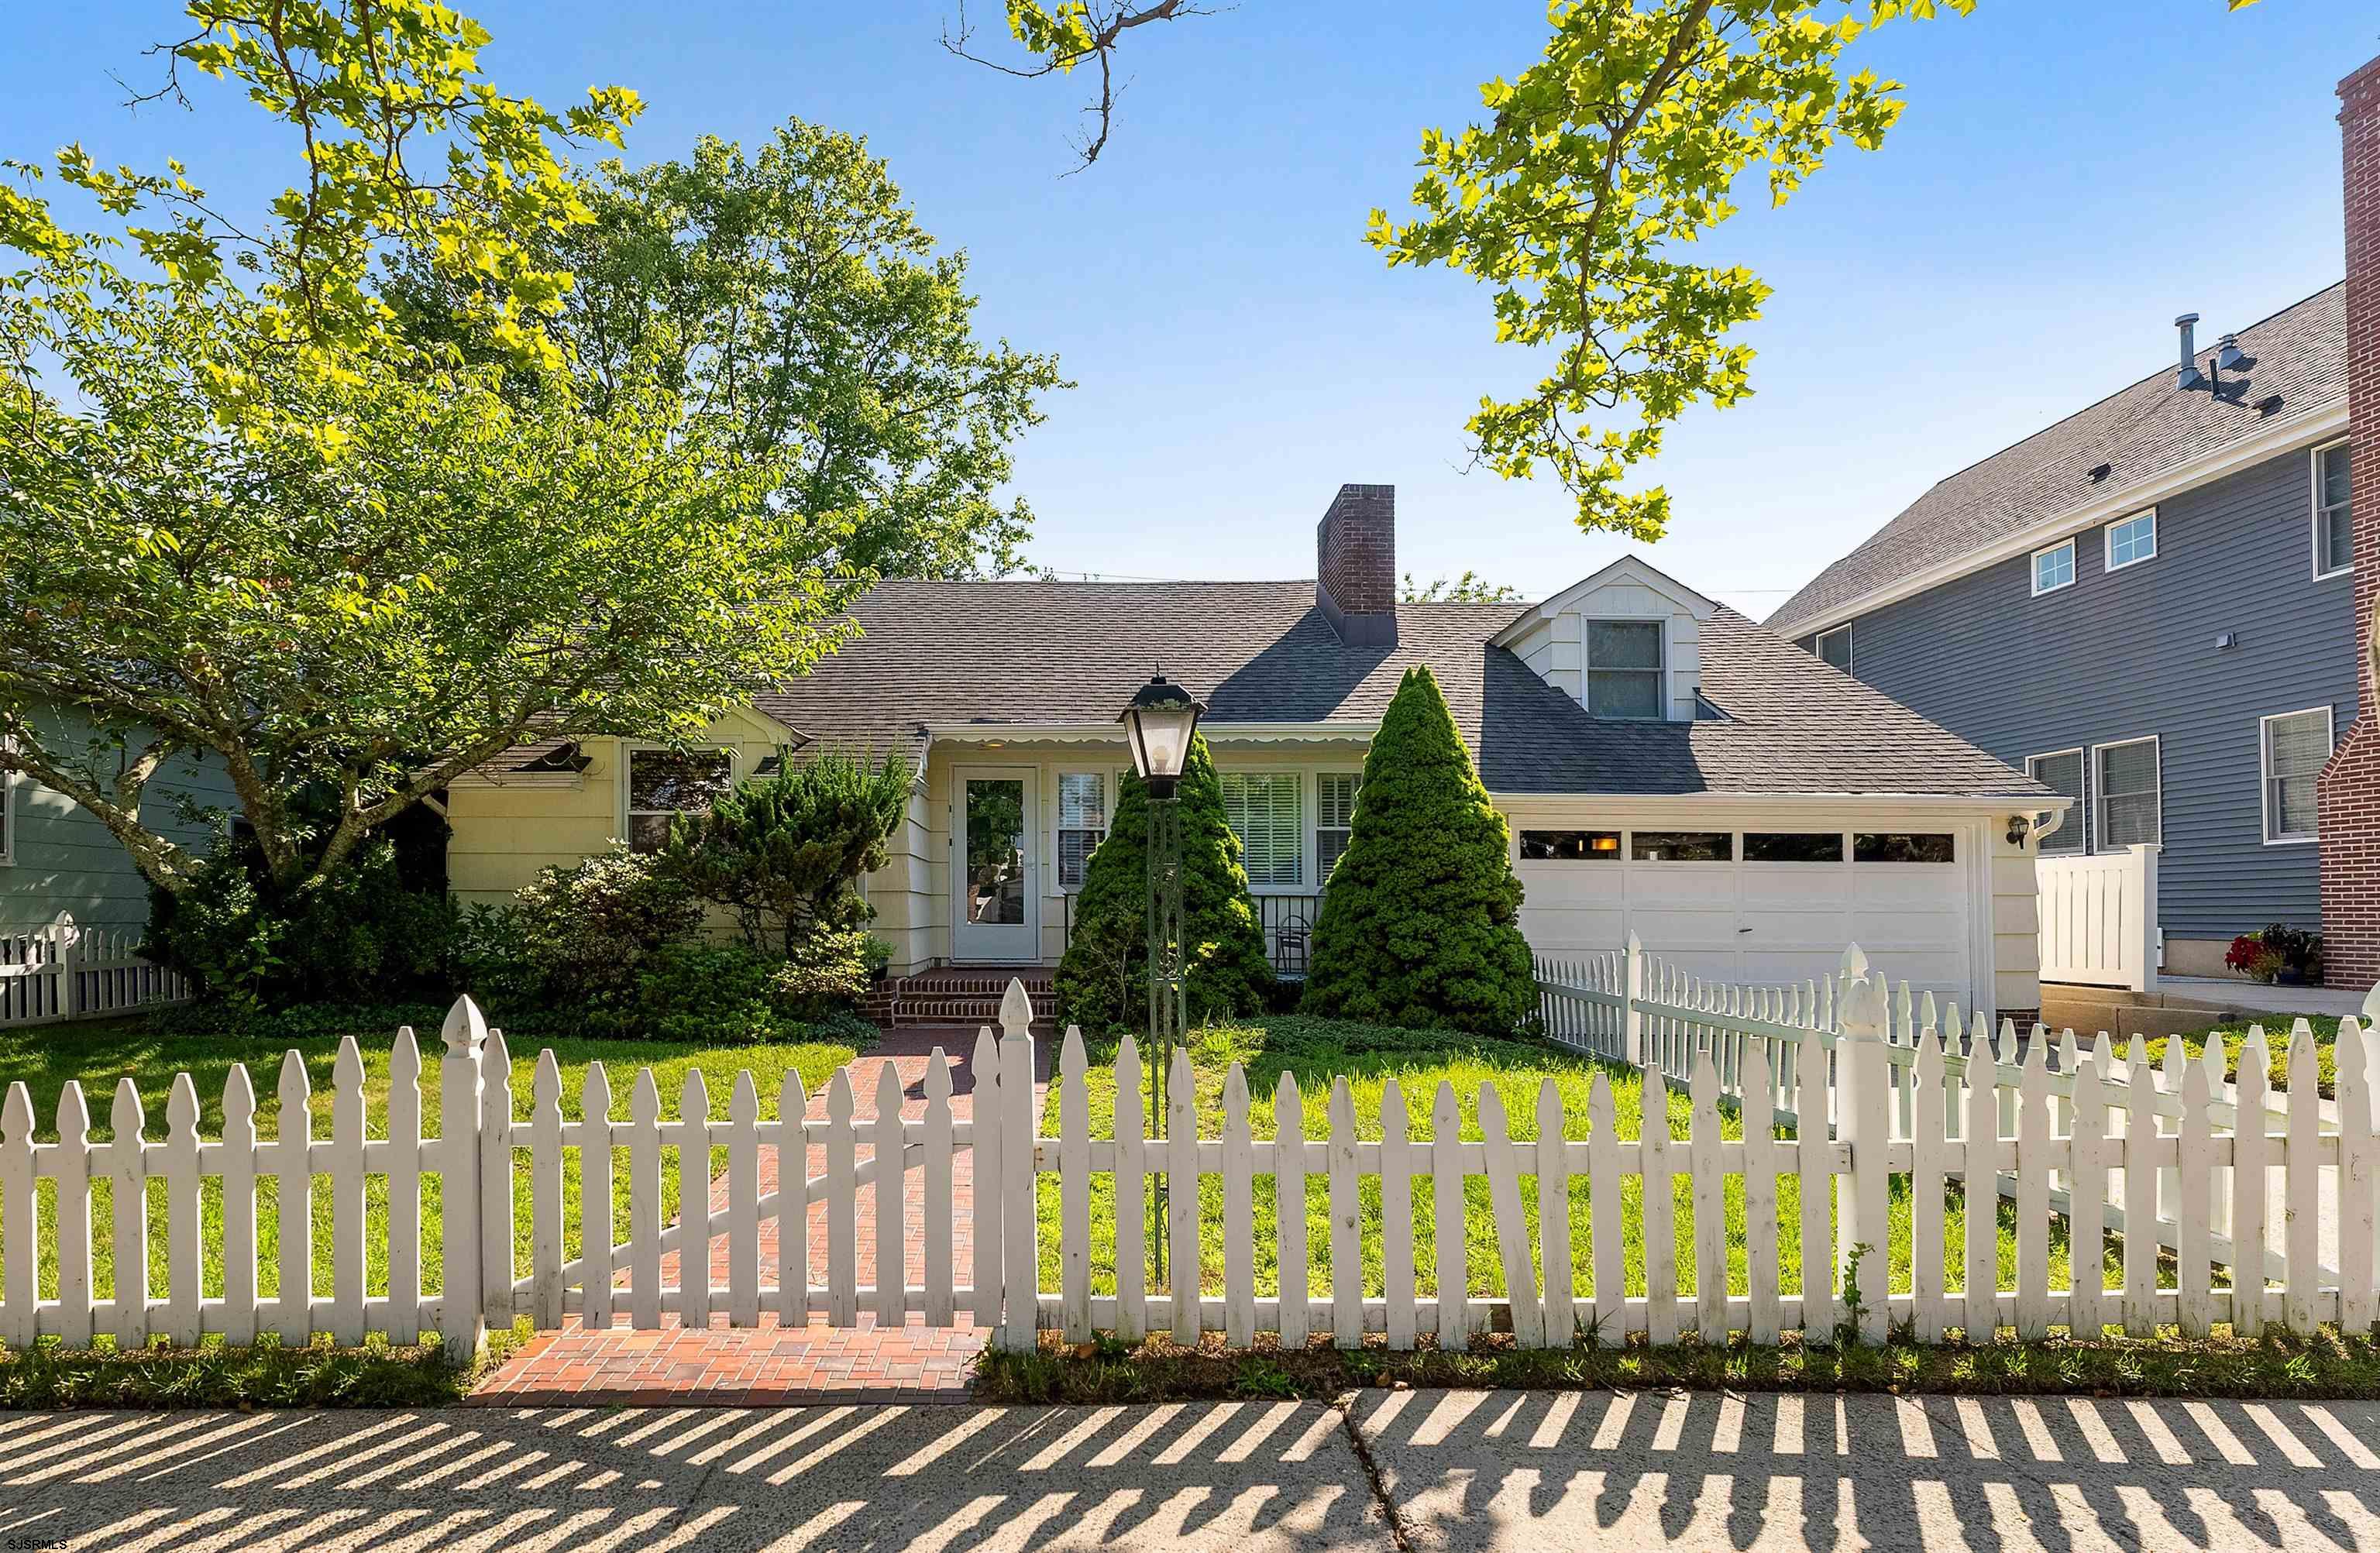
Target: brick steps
(962,995)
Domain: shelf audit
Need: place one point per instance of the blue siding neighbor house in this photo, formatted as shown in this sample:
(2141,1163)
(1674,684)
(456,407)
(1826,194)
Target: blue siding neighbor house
(2150,607)
(59,864)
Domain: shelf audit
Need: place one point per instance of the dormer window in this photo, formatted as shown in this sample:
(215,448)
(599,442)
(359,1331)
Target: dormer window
(1623,668)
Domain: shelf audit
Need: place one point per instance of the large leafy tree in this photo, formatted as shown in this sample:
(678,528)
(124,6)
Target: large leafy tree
(255,513)
(1573,199)
(1420,925)
(790,296)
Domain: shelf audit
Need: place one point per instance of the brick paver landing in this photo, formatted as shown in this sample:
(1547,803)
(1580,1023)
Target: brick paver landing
(769,1363)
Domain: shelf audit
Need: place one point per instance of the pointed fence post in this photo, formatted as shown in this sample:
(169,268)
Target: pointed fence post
(1864,1120)
(1020,1122)
(462,1326)
(1631,1023)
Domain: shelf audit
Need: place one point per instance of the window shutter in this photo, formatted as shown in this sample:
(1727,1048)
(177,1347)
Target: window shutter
(1082,822)
(1334,819)
(1263,812)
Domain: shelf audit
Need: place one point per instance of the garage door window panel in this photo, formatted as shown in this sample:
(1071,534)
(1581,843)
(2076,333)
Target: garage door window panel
(1903,846)
(1683,846)
(1793,846)
(1569,846)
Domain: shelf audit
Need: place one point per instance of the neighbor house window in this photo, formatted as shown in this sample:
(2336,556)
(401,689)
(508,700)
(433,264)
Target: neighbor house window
(664,784)
(2334,514)
(2053,568)
(2295,745)
(1334,818)
(2132,539)
(1082,822)
(2126,775)
(1553,846)
(2061,772)
(1901,846)
(1263,812)
(1793,846)
(1683,846)
(1835,647)
(1623,668)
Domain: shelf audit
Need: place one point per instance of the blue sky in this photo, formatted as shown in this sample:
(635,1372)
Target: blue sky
(2067,178)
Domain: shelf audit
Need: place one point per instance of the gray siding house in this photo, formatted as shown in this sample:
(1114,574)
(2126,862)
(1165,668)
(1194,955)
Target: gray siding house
(59,866)
(2149,606)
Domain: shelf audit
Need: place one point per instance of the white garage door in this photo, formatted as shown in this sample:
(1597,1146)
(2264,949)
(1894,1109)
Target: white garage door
(1755,908)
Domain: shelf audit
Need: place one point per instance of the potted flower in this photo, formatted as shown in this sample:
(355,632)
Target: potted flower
(2300,953)
(2278,953)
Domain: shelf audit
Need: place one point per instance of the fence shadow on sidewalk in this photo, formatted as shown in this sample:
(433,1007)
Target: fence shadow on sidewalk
(1475,1469)
(1716,1471)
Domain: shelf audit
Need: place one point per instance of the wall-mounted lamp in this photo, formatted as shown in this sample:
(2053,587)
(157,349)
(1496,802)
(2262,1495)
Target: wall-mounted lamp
(2020,827)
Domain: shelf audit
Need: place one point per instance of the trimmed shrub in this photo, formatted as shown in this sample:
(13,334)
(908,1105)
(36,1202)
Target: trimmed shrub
(1104,980)
(785,852)
(1420,923)
(587,930)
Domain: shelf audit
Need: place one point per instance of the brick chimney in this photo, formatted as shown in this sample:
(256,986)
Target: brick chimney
(1355,565)
(2350,782)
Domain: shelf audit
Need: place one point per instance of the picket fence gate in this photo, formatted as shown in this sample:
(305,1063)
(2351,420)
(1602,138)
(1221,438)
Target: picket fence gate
(2099,1135)
(64,971)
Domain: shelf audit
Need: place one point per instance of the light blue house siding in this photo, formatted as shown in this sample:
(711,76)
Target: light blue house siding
(2136,652)
(60,862)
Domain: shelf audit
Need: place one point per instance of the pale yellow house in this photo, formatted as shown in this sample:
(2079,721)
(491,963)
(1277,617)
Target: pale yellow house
(1670,769)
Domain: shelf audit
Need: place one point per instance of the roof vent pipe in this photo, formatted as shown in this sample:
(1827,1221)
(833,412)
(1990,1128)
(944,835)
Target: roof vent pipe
(2187,374)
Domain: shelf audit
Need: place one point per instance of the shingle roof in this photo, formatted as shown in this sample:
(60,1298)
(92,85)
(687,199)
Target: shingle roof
(2299,354)
(1039,653)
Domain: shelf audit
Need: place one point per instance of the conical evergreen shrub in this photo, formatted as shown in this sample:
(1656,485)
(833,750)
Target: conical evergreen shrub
(1420,923)
(1104,980)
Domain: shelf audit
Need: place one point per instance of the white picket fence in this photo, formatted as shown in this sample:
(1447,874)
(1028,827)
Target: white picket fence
(2276,1179)
(49,974)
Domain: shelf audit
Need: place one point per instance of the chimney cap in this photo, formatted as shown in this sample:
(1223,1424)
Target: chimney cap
(2185,318)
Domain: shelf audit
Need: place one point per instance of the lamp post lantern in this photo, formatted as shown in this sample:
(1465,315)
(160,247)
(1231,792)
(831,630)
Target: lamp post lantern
(1159,724)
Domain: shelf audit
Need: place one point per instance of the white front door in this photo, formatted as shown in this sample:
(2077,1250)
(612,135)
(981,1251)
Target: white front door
(995,866)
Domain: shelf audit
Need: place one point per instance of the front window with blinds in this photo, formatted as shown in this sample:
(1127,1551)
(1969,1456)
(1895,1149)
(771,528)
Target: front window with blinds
(664,784)
(1082,822)
(1334,819)
(1623,668)
(2295,745)
(1262,810)
(2127,779)
(2061,772)
(2334,514)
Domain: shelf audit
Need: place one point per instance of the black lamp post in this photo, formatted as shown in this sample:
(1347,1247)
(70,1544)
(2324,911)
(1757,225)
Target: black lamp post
(1160,724)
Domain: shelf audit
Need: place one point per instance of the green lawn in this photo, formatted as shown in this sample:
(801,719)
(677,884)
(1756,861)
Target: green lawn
(100,1054)
(1316,1049)
(2234,1037)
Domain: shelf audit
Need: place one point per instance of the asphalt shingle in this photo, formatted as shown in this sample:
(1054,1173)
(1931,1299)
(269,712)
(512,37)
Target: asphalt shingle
(2297,357)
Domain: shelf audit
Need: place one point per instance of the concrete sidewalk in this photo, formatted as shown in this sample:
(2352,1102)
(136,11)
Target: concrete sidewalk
(1507,1471)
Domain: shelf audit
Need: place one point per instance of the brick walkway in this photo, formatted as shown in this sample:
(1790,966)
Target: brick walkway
(769,1364)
